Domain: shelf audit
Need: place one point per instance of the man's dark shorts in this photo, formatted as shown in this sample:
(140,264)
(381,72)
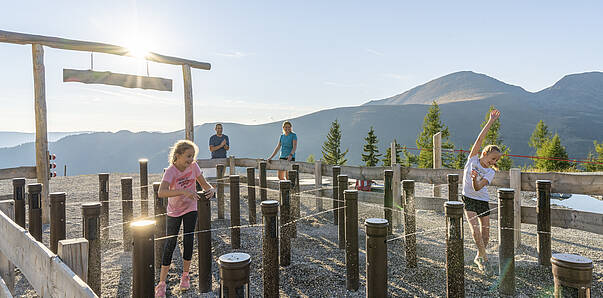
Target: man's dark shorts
(482,208)
(284,158)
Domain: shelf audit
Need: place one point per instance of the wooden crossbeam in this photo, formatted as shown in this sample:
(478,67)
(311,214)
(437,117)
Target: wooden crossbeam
(116,79)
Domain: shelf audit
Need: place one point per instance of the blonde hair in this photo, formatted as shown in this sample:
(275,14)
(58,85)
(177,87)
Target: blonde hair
(179,148)
(488,149)
(285,123)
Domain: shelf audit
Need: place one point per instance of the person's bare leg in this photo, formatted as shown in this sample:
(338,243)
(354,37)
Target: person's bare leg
(476,233)
(281,175)
(485,225)
(186,265)
(164,273)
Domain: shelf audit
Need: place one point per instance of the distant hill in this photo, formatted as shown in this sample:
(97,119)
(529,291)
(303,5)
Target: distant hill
(572,107)
(13,138)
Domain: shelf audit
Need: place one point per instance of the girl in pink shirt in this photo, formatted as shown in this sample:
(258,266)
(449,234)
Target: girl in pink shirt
(178,184)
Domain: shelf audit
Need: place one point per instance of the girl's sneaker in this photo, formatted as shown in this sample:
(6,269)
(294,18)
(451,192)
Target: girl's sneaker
(185,282)
(483,265)
(160,290)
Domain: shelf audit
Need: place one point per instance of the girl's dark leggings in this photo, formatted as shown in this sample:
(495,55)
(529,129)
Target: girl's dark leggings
(172,228)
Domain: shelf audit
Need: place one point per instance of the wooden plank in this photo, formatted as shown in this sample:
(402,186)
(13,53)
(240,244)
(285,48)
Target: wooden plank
(18,172)
(580,183)
(87,46)
(515,183)
(567,219)
(188,103)
(42,172)
(6,197)
(7,269)
(46,273)
(211,163)
(116,79)
(4,290)
(74,253)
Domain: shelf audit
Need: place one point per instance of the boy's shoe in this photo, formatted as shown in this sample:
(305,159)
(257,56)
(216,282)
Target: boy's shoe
(160,290)
(185,282)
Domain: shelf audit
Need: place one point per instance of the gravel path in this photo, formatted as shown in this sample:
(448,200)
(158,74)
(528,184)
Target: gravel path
(317,266)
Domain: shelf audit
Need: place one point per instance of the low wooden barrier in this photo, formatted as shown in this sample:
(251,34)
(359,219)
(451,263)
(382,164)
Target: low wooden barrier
(19,172)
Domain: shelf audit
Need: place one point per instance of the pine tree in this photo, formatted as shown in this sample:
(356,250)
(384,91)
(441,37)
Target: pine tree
(310,158)
(540,136)
(331,148)
(409,158)
(460,159)
(493,138)
(387,158)
(596,157)
(371,158)
(552,149)
(432,125)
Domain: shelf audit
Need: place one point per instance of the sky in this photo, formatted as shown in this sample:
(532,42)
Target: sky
(275,60)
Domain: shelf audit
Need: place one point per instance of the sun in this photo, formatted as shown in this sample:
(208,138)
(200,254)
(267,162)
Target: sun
(138,48)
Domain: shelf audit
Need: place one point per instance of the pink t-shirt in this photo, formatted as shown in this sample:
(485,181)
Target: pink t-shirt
(180,205)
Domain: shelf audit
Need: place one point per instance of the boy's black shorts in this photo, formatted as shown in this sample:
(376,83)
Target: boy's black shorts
(482,208)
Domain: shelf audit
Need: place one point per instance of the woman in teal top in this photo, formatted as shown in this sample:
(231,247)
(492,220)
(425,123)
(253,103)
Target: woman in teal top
(287,143)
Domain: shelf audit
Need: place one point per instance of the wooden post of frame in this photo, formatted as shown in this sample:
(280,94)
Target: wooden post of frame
(515,183)
(188,103)
(437,160)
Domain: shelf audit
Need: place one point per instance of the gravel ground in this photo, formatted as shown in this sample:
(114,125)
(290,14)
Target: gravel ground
(317,266)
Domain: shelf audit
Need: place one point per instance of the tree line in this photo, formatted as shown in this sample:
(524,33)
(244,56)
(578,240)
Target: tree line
(551,154)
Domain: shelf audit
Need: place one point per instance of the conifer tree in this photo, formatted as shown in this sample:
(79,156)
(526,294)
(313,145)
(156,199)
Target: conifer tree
(596,157)
(371,158)
(493,138)
(432,125)
(540,136)
(460,159)
(331,148)
(552,149)
(310,158)
(387,158)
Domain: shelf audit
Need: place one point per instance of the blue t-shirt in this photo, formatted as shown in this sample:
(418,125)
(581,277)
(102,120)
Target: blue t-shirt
(216,141)
(287,144)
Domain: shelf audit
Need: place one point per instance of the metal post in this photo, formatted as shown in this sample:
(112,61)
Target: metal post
(34,197)
(251,195)
(351,240)
(376,257)
(573,275)
(455,272)
(453,187)
(19,197)
(410,238)
(221,182)
(57,219)
(91,231)
(235,213)
(341,187)
(544,222)
(126,208)
(292,223)
(160,205)
(263,182)
(270,249)
(204,243)
(506,250)
(285,211)
(336,172)
(388,199)
(234,275)
(142,258)
(103,197)
(144,187)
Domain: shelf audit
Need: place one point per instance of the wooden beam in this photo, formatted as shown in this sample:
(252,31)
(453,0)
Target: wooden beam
(116,79)
(42,170)
(7,269)
(74,253)
(437,159)
(87,46)
(19,172)
(188,103)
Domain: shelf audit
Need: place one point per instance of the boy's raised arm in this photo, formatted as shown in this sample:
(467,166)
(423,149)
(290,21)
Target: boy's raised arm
(494,114)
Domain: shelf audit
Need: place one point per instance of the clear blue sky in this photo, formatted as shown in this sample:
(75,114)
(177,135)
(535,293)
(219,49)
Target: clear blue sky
(273,60)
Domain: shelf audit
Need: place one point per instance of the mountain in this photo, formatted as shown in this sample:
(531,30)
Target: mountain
(458,86)
(572,107)
(13,138)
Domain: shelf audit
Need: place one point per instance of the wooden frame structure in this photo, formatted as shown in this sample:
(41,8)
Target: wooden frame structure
(38,42)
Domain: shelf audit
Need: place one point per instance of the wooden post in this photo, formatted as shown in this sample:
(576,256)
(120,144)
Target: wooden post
(7,269)
(543,211)
(188,103)
(126,209)
(103,197)
(251,195)
(437,160)
(34,192)
(91,231)
(65,171)
(235,212)
(142,258)
(376,257)
(204,243)
(57,219)
(234,275)
(342,186)
(506,249)
(388,200)
(292,174)
(220,169)
(19,197)
(351,240)
(572,275)
(515,183)
(270,248)
(232,165)
(285,212)
(410,225)
(455,255)
(74,253)
(160,205)
(318,184)
(393,155)
(42,171)
(398,204)
(144,187)
(453,187)
(263,182)
(295,200)
(336,172)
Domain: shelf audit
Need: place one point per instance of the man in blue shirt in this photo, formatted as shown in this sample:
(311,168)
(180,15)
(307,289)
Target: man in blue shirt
(219,143)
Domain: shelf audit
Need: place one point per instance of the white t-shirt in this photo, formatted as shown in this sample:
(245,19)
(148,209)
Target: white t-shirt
(483,173)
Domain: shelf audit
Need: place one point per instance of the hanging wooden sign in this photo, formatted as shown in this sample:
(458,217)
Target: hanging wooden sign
(116,79)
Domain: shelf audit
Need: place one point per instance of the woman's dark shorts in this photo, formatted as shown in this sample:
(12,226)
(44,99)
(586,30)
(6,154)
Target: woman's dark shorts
(284,158)
(482,208)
